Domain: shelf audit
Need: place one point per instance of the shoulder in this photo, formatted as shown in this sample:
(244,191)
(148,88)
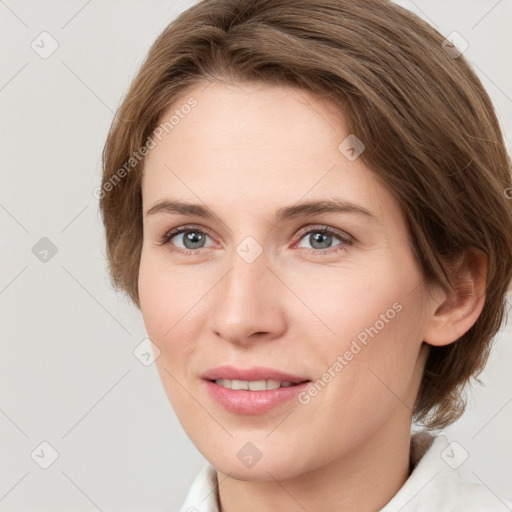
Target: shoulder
(477,497)
(202,495)
(436,484)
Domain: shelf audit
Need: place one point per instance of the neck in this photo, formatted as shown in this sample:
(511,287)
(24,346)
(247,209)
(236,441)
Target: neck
(365,479)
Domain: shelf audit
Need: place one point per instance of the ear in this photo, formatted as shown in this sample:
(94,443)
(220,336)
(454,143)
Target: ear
(453,312)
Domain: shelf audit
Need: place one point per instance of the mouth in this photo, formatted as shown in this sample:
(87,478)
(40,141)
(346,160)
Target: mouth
(253,374)
(250,391)
(255,385)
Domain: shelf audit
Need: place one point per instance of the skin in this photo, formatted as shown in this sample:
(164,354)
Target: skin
(245,151)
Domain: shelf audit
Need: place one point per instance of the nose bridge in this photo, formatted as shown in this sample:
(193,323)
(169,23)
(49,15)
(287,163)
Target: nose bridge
(245,299)
(244,286)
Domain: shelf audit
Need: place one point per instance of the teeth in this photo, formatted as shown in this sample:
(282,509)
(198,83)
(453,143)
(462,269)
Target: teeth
(253,385)
(272,384)
(257,385)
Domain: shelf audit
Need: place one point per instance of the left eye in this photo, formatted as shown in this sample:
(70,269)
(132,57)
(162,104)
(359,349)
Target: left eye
(321,239)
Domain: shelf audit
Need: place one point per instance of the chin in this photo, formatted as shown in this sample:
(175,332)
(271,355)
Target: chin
(269,462)
(260,472)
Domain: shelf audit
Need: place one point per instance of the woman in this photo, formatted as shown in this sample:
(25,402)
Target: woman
(307,200)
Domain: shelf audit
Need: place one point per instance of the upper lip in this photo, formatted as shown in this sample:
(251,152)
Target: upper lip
(251,374)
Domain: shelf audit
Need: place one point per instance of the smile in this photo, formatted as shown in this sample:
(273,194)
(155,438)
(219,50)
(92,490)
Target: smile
(253,385)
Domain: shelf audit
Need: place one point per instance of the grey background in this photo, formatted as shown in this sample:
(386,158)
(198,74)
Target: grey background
(68,373)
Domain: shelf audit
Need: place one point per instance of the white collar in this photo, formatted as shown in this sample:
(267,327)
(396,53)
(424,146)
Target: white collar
(434,484)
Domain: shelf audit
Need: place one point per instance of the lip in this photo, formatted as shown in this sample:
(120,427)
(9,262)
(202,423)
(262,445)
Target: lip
(254,373)
(252,402)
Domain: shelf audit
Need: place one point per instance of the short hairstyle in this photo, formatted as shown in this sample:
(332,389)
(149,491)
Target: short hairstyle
(430,132)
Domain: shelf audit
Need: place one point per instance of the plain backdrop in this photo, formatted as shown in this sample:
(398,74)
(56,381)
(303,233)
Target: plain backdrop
(69,377)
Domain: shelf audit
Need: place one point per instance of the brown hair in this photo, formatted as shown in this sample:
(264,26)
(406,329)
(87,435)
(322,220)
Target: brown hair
(429,127)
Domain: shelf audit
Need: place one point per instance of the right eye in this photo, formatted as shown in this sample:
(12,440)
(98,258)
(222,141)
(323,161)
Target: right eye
(192,239)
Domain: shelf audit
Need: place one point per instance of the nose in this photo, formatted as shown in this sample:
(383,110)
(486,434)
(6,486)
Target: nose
(247,303)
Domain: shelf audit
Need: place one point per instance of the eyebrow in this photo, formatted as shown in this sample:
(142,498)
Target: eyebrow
(283,214)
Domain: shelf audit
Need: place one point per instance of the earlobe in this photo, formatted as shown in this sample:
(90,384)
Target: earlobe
(454,312)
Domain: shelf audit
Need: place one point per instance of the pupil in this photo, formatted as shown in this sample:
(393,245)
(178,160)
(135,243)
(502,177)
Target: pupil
(323,239)
(194,239)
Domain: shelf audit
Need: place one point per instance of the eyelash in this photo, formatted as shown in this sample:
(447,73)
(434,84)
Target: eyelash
(344,238)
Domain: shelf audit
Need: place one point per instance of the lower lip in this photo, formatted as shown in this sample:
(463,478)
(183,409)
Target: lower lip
(253,402)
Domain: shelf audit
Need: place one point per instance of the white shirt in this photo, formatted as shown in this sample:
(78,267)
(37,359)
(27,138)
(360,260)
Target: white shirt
(434,485)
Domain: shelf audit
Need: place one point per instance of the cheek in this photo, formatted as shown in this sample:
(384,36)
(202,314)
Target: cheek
(172,303)
(161,294)
(167,300)
(159,303)
(372,333)
(353,301)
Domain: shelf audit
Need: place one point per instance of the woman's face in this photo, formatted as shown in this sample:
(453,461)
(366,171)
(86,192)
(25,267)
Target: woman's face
(260,289)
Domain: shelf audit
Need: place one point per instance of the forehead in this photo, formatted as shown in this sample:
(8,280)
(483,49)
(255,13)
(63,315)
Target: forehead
(247,117)
(241,143)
